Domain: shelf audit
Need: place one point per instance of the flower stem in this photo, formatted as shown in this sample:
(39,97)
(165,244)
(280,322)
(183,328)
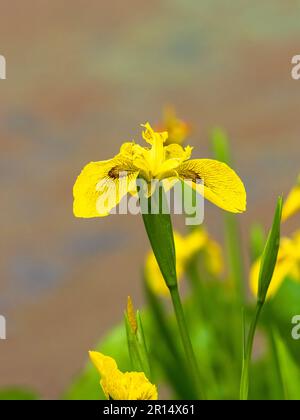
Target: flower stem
(185,337)
(244,387)
(159,228)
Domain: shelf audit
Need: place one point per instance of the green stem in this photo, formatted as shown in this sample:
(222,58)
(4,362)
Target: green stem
(186,341)
(244,388)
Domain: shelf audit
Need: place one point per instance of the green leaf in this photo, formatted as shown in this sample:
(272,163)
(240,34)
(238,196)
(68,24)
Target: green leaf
(143,350)
(17,394)
(136,363)
(290,373)
(270,254)
(137,346)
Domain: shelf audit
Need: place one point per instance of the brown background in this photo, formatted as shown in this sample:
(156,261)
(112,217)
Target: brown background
(81,77)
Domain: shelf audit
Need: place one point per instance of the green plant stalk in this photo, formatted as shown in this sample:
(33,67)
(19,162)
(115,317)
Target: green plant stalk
(277,380)
(221,150)
(142,347)
(267,267)
(186,341)
(244,387)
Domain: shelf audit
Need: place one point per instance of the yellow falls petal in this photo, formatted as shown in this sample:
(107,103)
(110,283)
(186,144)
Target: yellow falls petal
(221,185)
(101,185)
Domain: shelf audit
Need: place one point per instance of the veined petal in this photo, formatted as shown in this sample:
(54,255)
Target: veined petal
(220,184)
(101,185)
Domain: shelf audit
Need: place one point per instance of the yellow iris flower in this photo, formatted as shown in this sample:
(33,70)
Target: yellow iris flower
(288,264)
(186,248)
(101,185)
(117,385)
(292,203)
(178,130)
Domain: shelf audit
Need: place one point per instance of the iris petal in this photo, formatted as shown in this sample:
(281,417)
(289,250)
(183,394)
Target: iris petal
(220,184)
(101,185)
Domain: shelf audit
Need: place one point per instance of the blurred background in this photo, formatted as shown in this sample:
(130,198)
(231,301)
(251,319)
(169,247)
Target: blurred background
(81,77)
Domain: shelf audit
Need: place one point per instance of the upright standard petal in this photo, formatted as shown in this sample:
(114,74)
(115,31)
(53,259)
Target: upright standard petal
(101,185)
(218,183)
